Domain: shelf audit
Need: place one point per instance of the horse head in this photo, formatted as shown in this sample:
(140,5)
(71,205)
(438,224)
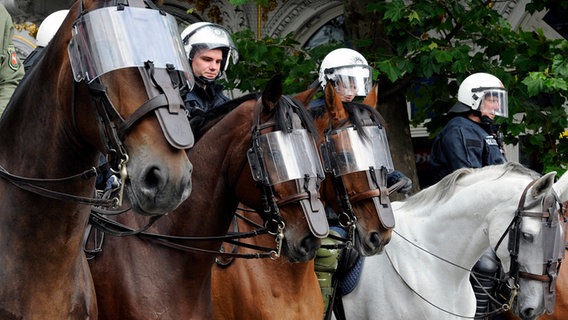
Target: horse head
(532,248)
(285,164)
(356,159)
(122,97)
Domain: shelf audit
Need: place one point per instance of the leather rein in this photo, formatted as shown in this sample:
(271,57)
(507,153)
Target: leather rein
(274,225)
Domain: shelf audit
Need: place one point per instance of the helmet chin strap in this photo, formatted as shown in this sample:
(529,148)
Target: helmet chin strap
(486,120)
(202,81)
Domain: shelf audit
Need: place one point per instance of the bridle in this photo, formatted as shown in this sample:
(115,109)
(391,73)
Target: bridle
(161,86)
(377,181)
(112,129)
(273,221)
(553,216)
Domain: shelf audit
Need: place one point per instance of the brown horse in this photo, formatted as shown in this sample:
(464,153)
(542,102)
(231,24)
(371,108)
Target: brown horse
(50,135)
(137,278)
(284,290)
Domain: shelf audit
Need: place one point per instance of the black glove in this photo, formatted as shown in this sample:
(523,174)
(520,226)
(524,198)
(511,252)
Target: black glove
(396,176)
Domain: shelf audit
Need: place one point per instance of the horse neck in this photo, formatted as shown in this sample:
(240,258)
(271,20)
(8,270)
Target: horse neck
(38,128)
(464,230)
(217,158)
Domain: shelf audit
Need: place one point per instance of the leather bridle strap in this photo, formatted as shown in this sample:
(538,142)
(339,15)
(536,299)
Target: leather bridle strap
(148,106)
(27,184)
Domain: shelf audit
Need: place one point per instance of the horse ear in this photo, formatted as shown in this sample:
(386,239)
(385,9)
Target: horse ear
(333,104)
(305,97)
(272,92)
(372,98)
(561,187)
(543,185)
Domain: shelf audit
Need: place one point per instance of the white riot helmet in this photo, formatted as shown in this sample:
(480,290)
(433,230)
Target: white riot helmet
(348,71)
(49,27)
(206,35)
(482,92)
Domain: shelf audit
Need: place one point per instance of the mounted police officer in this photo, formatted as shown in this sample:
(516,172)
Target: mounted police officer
(209,48)
(351,77)
(469,140)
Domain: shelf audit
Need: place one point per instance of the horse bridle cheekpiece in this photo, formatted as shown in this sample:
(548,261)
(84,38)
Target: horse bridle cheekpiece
(553,220)
(110,38)
(349,149)
(279,156)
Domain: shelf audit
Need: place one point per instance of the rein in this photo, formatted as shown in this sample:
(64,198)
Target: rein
(32,185)
(274,225)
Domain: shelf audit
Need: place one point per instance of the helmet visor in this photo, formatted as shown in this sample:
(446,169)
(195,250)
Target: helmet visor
(353,80)
(107,39)
(493,101)
(352,152)
(289,156)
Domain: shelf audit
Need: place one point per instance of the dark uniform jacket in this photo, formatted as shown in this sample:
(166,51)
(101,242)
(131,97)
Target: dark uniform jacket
(463,143)
(202,100)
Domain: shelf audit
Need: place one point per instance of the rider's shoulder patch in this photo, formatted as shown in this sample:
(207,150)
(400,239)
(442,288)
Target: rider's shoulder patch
(14,62)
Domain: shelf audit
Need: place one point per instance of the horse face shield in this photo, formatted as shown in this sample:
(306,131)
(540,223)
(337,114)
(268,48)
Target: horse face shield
(285,157)
(347,150)
(552,239)
(277,157)
(108,39)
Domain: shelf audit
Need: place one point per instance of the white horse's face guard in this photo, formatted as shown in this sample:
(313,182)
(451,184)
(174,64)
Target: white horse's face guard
(536,234)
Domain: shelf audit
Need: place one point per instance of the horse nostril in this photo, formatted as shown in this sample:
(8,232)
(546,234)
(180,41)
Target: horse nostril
(154,178)
(375,239)
(309,245)
(528,313)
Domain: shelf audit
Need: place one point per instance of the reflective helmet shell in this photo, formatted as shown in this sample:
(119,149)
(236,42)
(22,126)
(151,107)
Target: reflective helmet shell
(478,86)
(342,64)
(49,27)
(206,35)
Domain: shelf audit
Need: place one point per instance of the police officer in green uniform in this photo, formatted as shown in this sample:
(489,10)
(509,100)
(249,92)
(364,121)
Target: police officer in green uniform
(11,70)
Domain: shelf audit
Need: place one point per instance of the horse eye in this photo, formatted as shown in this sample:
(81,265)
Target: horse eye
(528,237)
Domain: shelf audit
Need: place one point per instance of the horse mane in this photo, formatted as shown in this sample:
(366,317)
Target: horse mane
(446,187)
(284,118)
(203,121)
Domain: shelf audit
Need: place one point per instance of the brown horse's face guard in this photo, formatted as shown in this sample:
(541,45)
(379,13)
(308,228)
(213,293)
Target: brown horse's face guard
(282,158)
(94,53)
(352,155)
(108,39)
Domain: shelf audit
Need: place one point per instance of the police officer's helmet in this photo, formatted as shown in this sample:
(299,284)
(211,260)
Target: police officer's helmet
(347,68)
(479,91)
(205,35)
(49,27)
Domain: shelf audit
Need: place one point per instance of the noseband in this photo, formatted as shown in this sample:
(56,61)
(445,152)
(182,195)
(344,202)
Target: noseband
(553,215)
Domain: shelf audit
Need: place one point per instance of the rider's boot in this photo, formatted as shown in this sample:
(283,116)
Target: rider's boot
(483,282)
(326,261)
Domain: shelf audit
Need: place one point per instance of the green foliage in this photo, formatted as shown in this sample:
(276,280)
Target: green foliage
(259,60)
(436,44)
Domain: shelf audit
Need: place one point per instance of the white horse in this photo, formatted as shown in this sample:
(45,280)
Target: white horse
(441,232)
